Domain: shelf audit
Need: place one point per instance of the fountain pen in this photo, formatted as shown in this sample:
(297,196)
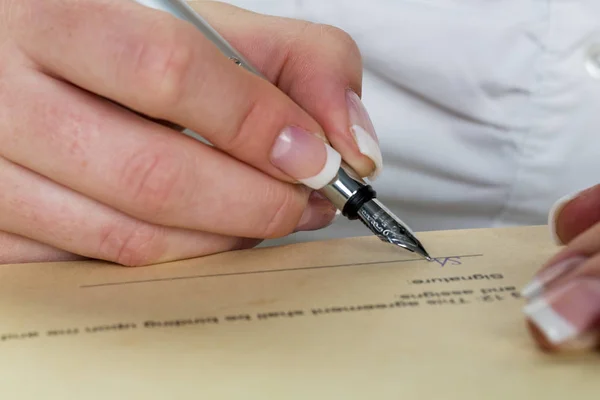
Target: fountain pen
(347,191)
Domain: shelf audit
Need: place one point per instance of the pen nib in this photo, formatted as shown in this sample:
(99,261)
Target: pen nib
(387,227)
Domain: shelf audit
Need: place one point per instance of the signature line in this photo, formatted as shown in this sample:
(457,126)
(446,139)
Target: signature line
(177,278)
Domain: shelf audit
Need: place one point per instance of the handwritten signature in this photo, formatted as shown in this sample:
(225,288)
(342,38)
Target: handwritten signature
(443,261)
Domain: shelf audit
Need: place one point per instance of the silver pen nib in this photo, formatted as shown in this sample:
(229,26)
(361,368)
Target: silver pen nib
(389,228)
(357,200)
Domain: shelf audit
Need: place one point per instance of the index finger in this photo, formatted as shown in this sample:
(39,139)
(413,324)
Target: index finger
(166,69)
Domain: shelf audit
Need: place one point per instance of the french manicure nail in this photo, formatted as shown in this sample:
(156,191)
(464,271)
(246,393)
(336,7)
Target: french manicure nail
(550,274)
(554,212)
(568,313)
(305,220)
(305,157)
(363,131)
(559,206)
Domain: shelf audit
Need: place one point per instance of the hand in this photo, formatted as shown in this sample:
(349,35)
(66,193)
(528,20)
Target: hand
(89,167)
(564,298)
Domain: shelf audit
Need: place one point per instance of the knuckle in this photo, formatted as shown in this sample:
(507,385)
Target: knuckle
(281,216)
(247,122)
(151,181)
(132,244)
(265,113)
(162,61)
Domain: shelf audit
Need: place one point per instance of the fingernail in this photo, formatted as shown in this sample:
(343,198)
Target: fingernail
(555,210)
(305,157)
(332,212)
(585,341)
(567,314)
(550,274)
(553,215)
(318,214)
(363,131)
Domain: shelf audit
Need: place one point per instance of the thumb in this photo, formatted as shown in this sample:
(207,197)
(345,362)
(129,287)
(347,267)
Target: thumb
(318,66)
(574,214)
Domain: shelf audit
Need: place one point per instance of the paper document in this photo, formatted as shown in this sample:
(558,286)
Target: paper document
(341,319)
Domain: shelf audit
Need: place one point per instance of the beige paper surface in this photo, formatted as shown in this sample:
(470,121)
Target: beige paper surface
(343,319)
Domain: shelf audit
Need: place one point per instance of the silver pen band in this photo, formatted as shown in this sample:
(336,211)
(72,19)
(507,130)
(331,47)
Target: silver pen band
(345,186)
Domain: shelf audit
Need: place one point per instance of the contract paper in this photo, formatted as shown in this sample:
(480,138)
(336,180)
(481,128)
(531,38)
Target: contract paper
(342,319)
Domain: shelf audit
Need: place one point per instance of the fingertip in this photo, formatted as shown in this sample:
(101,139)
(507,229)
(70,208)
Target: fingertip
(539,338)
(319,214)
(299,153)
(553,215)
(329,170)
(363,166)
(573,214)
(585,343)
(363,132)
(371,165)
(360,151)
